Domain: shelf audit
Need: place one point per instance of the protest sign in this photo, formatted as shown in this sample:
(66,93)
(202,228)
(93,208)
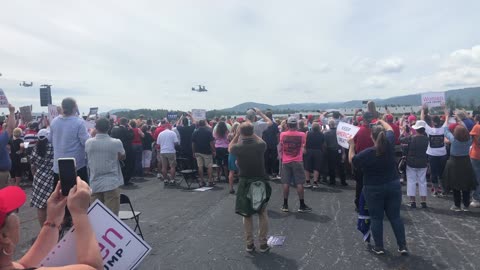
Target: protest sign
(26,112)
(199,114)
(52,112)
(172,116)
(344,132)
(93,111)
(434,99)
(121,248)
(3,99)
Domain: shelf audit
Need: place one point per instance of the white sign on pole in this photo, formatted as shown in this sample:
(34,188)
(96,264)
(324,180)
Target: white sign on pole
(434,99)
(199,114)
(121,248)
(52,112)
(344,132)
(3,99)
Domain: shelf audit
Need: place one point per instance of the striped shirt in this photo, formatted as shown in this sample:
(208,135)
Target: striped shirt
(104,169)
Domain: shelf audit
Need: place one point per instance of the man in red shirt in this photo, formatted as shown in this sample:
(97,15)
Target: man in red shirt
(163,126)
(292,144)
(396,129)
(363,140)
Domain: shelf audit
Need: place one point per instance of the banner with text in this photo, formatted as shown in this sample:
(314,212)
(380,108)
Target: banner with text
(199,114)
(121,248)
(52,112)
(26,112)
(3,99)
(434,99)
(345,131)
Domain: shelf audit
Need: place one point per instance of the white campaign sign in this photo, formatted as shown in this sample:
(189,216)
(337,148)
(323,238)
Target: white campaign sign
(3,99)
(345,131)
(199,114)
(434,99)
(52,112)
(121,248)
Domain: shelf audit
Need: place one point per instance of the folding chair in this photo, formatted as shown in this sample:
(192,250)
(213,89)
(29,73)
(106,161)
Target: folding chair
(128,215)
(189,176)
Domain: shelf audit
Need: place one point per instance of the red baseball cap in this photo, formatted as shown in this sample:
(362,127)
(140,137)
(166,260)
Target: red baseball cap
(412,118)
(240,119)
(11,198)
(389,118)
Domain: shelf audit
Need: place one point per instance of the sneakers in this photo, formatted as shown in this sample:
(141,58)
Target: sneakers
(413,205)
(211,184)
(424,204)
(250,248)
(307,185)
(403,251)
(436,194)
(455,209)
(165,182)
(315,185)
(304,208)
(465,209)
(172,182)
(378,250)
(475,204)
(284,208)
(264,248)
(232,191)
(159,175)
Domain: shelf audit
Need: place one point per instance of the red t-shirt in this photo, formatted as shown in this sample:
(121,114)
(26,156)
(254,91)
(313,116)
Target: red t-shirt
(396,133)
(137,140)
(292,143)
(363,139)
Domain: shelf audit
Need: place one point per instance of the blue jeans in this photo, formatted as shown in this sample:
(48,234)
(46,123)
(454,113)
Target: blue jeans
(385,198)
(476,170)
(437,164)
(138,152)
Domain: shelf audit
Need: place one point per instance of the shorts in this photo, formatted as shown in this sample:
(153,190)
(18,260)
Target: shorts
(146,158)
(221,156)
(293,172)
(170,159)
(312,160)
(232,165)
(204,160)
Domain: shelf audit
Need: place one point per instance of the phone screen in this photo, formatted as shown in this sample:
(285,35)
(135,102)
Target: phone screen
(67,174)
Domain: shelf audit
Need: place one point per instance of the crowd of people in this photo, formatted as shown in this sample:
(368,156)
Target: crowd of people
(300,151)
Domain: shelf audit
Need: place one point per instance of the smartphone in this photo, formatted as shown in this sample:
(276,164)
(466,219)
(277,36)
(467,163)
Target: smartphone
(67,173)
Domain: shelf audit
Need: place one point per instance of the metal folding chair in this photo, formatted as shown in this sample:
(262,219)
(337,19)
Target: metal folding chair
(132,214)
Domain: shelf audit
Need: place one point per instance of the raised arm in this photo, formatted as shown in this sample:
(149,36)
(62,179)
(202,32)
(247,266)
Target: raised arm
(264,117)
(385,125)
(11,123)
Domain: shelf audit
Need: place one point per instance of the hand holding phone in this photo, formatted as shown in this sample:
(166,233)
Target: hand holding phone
(67,173)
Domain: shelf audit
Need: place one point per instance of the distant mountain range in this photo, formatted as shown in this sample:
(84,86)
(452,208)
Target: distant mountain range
(465,97)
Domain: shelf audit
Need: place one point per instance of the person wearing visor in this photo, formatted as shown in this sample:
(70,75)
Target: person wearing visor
(87,248)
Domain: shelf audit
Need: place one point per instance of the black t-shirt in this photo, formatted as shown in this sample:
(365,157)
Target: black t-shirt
(315,140)
(202,138)
(123,134)
(147,141)
(270,136)
(14,148)
(186,138)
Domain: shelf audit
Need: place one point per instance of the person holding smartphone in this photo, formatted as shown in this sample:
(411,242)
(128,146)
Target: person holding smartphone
(78,200)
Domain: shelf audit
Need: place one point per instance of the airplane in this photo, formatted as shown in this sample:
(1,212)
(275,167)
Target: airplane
(26,84)
(201,88)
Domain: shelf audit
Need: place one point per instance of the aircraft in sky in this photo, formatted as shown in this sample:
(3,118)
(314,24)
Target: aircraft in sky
(201,88)
(24,84)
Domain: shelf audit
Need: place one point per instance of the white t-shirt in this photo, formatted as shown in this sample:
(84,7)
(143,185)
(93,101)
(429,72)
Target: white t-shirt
(167,140)
(436,144)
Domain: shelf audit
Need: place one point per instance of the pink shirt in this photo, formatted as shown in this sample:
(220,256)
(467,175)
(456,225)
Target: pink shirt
(221,142)
(292,144)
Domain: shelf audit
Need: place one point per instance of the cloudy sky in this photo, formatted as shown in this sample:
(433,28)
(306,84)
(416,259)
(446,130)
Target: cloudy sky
(148,54)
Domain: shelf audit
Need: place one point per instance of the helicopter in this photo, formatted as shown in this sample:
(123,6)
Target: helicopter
(24,84)
(201,88)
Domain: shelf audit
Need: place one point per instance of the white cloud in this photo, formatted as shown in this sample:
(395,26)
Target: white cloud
(390,65)
(379,82)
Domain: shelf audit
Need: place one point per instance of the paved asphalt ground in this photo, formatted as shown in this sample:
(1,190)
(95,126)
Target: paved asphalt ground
(199,230)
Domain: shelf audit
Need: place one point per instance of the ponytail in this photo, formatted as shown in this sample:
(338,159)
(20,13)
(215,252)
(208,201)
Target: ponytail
(380,138)
(381,143)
